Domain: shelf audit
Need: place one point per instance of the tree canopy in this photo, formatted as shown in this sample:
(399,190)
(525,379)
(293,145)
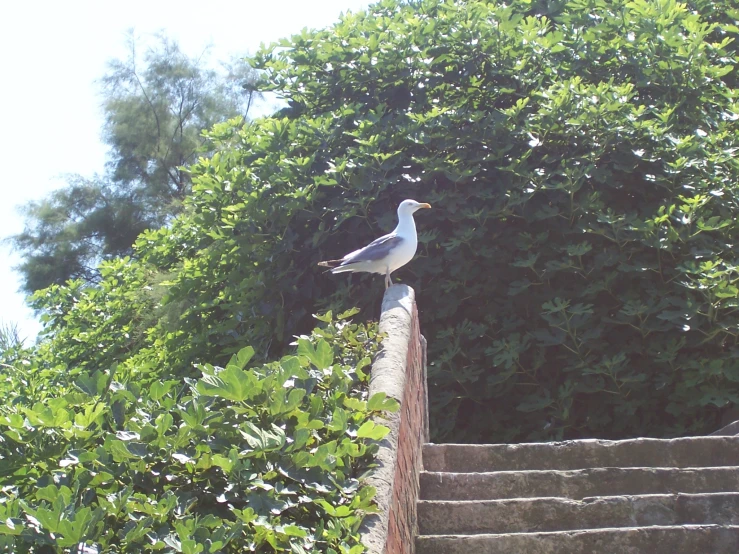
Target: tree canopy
(156,105)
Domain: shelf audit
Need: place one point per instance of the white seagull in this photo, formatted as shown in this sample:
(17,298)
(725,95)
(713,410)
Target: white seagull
(388,253)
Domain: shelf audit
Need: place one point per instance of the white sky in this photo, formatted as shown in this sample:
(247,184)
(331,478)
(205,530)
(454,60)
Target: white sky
(51,54)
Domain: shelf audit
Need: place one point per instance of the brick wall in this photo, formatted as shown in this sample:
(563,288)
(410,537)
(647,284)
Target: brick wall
(400,372)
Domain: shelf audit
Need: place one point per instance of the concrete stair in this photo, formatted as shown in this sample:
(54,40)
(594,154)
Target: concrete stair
(677,496)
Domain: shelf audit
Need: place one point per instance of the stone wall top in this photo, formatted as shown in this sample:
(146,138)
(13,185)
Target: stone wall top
(399,372)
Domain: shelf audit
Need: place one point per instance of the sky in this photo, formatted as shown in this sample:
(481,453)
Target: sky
(53,52)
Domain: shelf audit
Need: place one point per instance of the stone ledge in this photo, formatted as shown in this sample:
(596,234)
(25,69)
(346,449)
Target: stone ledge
(398,371)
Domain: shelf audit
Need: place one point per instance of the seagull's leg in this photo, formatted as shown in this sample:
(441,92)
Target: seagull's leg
(387,278)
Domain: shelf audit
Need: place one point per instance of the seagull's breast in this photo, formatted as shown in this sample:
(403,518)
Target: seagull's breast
(403,253)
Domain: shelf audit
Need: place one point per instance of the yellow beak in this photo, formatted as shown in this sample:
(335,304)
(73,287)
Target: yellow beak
(424,205)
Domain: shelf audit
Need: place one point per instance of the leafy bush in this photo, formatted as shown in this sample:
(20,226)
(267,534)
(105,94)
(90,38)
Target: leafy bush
(577,276)
(264,459)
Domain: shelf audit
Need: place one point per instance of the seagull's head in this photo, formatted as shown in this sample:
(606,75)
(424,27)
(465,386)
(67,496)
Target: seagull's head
(410,206)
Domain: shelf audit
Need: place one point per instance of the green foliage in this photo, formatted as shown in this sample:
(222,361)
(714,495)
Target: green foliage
(264,458)
(578,277)
(156,107)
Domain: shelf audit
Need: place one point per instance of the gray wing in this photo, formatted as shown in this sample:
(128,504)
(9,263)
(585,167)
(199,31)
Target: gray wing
(376,250)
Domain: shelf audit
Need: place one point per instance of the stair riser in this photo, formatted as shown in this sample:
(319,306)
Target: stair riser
(680,453)
(555,514)
(699,540)
(577,484)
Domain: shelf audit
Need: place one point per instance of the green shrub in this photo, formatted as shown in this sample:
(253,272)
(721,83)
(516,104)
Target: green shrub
(577,276)
(264,458)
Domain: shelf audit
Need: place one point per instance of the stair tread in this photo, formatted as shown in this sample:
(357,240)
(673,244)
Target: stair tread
(438,517)
(672,539)
(576,483)
(714,451)
(579,470)
(575,532)
(586,499)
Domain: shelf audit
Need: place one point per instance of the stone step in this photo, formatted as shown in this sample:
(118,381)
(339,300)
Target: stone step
(684,539)
(682,452)
(577,483)
(525,515)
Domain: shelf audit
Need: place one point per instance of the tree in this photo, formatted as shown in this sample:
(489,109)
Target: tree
(156,107)
(155,116)
(68,232)
(9,337)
